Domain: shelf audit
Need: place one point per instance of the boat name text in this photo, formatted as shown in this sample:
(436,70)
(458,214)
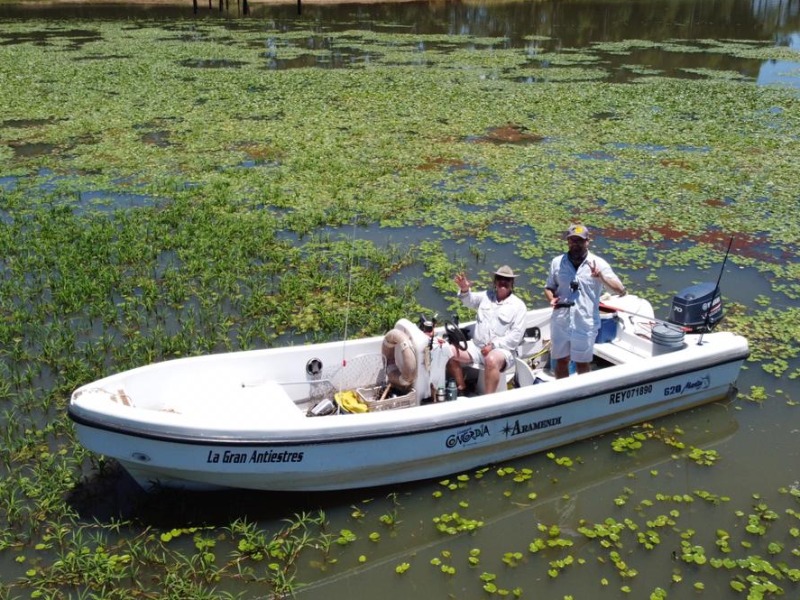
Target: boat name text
(690,386)
(264,456)
(467,437)
(618,397)
(518,428)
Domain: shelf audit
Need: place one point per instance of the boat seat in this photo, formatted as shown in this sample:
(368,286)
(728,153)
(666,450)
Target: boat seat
(502,384)
(524,374)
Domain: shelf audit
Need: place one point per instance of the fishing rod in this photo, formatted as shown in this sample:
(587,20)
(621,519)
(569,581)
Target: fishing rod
(716,289)
(349,289)
(648,317)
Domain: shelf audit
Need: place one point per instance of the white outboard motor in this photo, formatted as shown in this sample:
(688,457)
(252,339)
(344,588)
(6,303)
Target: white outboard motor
(697,308)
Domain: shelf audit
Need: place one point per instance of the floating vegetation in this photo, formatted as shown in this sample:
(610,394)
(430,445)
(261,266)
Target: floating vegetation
(454,523)
(170,189)
(714,74)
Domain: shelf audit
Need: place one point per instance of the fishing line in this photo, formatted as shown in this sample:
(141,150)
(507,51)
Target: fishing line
(349,289)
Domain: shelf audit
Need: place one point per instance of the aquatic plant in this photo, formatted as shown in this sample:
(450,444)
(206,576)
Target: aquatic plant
(165,192)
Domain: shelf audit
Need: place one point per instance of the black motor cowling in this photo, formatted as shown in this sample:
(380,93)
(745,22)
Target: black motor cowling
(697,308)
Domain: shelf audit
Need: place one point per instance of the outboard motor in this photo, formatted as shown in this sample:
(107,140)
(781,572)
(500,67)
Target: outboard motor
(697,308)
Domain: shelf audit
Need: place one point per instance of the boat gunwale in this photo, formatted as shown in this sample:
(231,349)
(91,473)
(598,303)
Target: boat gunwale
(315,437)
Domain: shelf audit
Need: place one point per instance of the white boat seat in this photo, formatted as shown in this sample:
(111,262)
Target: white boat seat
(524,373)
(502,384)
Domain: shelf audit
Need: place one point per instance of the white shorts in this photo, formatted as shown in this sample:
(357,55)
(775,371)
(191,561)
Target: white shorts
(477,357)
(577,345)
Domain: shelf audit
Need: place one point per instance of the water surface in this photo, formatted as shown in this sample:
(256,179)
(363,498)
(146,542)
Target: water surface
(627,42)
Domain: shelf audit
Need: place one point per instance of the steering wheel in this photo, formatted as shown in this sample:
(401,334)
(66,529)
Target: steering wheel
(455,335)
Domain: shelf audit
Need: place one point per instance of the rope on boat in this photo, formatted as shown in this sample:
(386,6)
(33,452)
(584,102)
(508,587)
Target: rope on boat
(533,359)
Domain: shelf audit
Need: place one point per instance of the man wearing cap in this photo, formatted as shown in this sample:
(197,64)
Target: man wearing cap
(574,285)
(499,328)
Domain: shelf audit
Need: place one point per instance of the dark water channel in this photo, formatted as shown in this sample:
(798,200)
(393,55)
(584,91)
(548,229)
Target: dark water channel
(759,446)
(536,25)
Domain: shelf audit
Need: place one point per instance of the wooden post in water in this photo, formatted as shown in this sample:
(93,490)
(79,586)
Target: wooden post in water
(299,8)
(194,6)
(245,7)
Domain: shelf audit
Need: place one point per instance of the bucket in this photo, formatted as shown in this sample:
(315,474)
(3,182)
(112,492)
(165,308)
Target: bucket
(608,328)
(666,339)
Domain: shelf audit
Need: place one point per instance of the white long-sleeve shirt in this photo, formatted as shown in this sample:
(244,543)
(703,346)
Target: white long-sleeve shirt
(501,323)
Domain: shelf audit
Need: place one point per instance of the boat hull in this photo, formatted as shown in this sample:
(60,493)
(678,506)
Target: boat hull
(353,451)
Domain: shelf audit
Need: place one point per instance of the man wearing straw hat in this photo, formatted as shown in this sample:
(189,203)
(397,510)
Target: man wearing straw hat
(499,328)
(574,285)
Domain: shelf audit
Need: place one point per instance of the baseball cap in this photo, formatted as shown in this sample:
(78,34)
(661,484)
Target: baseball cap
(580,231)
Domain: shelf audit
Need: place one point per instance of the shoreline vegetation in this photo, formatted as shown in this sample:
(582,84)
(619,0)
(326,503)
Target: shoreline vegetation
(214,5)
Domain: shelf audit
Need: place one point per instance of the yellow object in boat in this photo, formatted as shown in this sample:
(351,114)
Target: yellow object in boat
(350,401)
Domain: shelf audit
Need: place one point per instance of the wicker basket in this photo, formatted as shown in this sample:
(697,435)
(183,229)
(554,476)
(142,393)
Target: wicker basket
(371,396)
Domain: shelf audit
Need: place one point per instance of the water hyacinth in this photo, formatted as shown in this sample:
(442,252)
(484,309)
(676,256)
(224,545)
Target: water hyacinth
(167,190)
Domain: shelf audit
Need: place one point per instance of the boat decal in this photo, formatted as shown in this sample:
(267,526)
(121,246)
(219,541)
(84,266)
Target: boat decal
(468,436)
(693,385)
(621,396)
(519,428)
(254,457)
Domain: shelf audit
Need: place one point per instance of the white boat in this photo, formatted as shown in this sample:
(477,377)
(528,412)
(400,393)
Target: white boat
(255,419)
